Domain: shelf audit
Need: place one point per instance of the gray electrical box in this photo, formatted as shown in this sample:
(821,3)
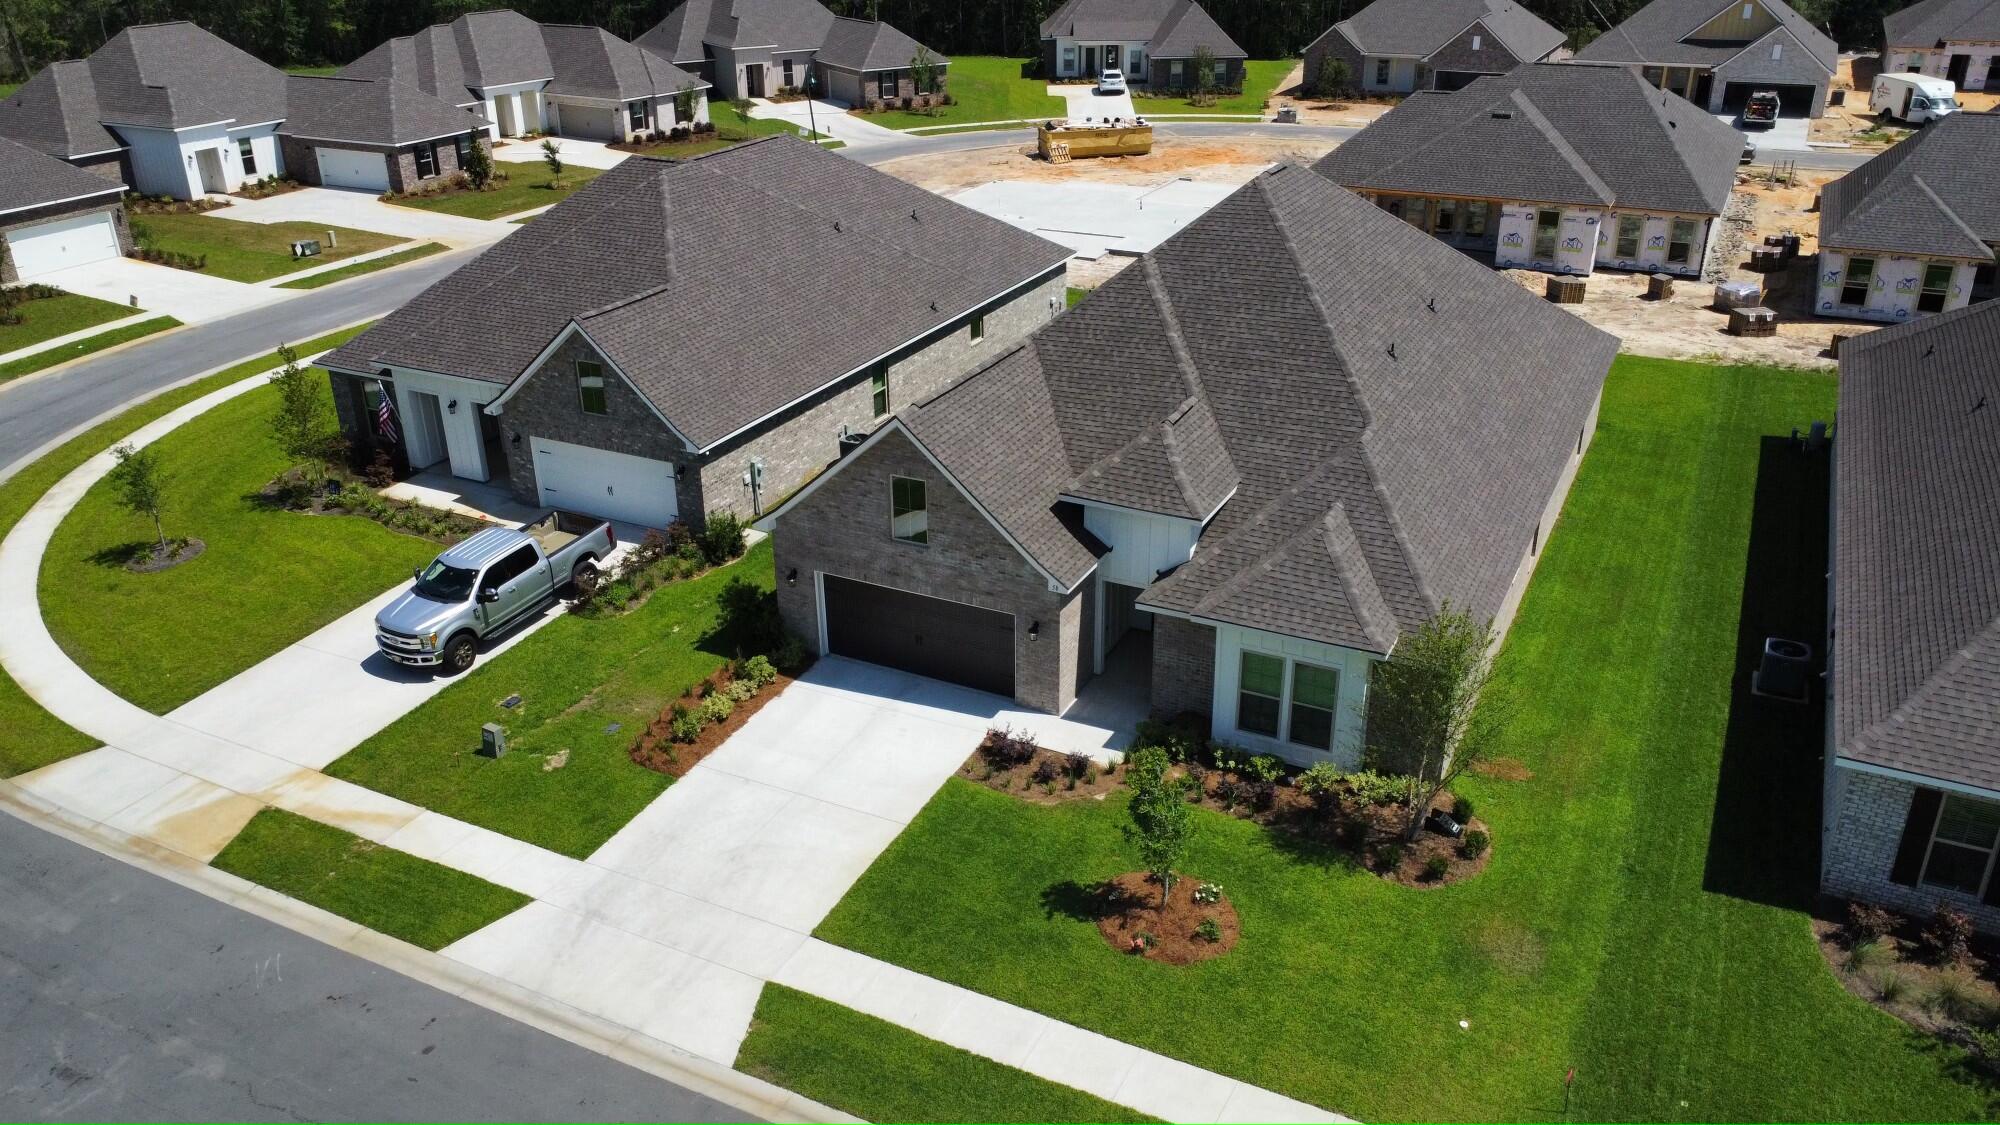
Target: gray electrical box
(492,740)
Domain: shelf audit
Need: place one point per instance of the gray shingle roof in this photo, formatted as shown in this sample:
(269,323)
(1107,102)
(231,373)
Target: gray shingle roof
(479,49)
(1916,655)
(1419,27)
(590,62)
(374,111)
(866,45)
(725,287)
(782,25)
(1369,487)
(159,76)
(1933,193)
(29,178)
(1659,34)
(1171,28)
(1548,133)
(1932,23)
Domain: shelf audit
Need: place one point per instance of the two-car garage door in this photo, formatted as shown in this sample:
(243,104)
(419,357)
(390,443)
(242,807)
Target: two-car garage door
(352,168)
(55,245)
(929,636)
(598,482)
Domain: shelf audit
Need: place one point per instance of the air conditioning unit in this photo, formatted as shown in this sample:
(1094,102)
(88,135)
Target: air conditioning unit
(849,441)
(1784,672)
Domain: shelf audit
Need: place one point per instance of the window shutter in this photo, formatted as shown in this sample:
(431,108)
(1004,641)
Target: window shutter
(1916,837)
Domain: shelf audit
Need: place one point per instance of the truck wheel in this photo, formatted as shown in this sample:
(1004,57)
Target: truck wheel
(459,653)
(584,578)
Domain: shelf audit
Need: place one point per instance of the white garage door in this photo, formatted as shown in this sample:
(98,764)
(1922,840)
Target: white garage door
(62,243)
(351,168)
(598,482)
(592,123)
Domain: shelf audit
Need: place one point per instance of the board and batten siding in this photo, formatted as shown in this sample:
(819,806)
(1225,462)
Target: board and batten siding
(1142,544)
(1349,720)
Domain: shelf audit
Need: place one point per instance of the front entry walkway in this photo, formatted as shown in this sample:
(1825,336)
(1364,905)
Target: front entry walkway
(830,118)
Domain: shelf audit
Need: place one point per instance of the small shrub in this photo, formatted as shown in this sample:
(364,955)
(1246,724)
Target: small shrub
(717,707)
(1046,772)
(722,539)
(1374,788)
(1005,747)
(1954,994)
(790,653)
(1867,955)
(1076,765)
(1260,795)
(1266,767)
(1181,741)
(1891,985)
(1868,924)
(1947,939)
(1208,894)
(1461,809)
(685,725)
(739,691)
(1390,856)
(759,672)
(1473,844)
(1209,930)
(1437,867)
(1321,784)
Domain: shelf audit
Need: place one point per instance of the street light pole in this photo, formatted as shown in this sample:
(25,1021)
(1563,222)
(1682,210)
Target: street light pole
(811,80)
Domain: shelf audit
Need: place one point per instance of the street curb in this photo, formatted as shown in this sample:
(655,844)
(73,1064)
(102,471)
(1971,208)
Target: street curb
(703,1076)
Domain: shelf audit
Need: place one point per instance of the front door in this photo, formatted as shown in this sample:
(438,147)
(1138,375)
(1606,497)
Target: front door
(1111,57)
(208,162)
(1955,72)
(753,80)
(1090,62)
(426,439)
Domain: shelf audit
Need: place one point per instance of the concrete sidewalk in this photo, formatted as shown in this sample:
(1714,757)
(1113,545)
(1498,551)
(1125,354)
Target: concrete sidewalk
(831,119)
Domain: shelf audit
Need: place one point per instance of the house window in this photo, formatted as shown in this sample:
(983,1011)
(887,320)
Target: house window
(590,388)
(1962,845)
(1630,227)
(1547,223)
(1854,288)
(1174,73)
(1445,221)
(1381,72)
(1315,691)
(978,328)
(1777,51)
(1476,218)
(878,391)
(1417,213)
(1937,287)
(908,519)
(638,116)
(885,84)
(248,155)
(1260,694)
(427,161)
(1221,73)
(788,73)
(1749,11)
(463,147)
(1475,42)
(1069,60)
(1680,244)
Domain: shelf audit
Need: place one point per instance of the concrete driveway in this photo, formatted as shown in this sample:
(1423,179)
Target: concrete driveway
(361,211)
(1788,136)
(573,150)
(1086,103)
(1095,218)
(185,295)
(831,118)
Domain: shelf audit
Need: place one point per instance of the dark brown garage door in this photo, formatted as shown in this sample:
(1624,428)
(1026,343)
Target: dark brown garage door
(929,636)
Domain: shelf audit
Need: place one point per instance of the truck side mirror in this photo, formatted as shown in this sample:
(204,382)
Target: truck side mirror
(489,594)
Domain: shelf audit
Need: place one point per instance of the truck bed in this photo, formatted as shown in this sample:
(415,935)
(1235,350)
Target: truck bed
(559,531)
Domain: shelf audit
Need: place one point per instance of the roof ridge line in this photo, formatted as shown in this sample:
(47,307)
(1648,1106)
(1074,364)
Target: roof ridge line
(1901,712)
(1197,391)
(1350,584)
(1562,146)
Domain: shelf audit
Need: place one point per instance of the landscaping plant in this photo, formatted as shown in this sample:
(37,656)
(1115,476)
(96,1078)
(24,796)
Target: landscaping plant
(552,156)
(1948,937)
(141,484)
(1474,844)
(1427,720)
(1867,924)
(304,426)
(478,167)
(1162,823)
(1204,77)
(1333,77)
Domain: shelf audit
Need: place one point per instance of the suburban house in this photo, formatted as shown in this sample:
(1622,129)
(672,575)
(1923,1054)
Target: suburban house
(1954,39)
(167,108)
(1551,167)
(1155,43)
(1912,803)
(1913,230)
(525,77)
(54,215)
(757,48)
(1399,46)
(679,337)
(1236,473)
(372,133)
(1717,54)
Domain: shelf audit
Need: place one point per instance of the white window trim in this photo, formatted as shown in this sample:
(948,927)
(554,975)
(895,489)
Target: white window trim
(1930,847)
(1287,679)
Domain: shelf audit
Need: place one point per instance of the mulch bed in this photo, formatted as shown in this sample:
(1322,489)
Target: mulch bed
(152,560)
(656,750)
(1097,782)
(1130,911)
(1905,958)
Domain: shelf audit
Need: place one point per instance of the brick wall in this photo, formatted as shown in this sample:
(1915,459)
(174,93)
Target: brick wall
(843,529)
(1490,57)
(108,204)
(301,166)
(1162,78)
(1183,666)
(906,87)
(1335,44)
(1865,826)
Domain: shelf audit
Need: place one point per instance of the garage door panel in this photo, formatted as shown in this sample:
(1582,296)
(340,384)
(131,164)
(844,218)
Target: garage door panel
(945,640)
(605,484)
(1793,101)
(61,243)
(352,168)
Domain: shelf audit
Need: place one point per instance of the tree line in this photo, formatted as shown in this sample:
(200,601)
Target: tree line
(333,32)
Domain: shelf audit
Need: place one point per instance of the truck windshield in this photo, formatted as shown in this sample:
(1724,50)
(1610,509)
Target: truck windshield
(441,583)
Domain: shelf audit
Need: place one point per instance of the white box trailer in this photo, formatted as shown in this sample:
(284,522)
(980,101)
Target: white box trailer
(1913,98)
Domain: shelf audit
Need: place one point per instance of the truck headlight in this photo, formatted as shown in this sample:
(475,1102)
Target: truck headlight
(430,640)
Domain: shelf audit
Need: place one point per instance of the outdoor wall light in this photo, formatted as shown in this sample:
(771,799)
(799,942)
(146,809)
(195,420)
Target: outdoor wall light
(451,407)
(516,440)
(792,578)
(1034,629)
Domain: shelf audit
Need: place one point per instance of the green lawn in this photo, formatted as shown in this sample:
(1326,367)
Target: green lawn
(1644,915)
(983,88)
(526,188)
(577,678)
(880,1072)
(43,360)
(58,316)
(386,261)
(1073,296)
(241,251)
(391,892)
(268,577)
(29,736)
(1260,79)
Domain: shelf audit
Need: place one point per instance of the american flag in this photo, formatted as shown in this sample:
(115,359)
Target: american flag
(385,420)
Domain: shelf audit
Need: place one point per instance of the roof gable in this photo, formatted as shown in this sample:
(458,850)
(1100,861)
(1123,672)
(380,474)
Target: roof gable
(1418,28)
(1931,194)
(1667,32)
(29,178)
(1932,23)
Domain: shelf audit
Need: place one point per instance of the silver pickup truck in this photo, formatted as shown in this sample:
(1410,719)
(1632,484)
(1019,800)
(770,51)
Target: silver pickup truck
(496,579)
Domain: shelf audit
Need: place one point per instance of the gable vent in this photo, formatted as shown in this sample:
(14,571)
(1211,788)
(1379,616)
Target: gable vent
(1503,115)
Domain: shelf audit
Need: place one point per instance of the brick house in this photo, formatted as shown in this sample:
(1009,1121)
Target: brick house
(372,133)
(1551,167)
(1957,40)
(1398,46)
(1716,56)
(1155,43)
(1912,798)
(1244,465)
(680,337)
(54,215)
(759,48)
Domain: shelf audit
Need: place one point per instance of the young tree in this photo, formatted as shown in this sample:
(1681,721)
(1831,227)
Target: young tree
(685,103)
(552,156)
(1334,78)
(1162,821)
(303,426)
(1204,76)
(478,163)
(141,483)
(1427,720)
(924,70)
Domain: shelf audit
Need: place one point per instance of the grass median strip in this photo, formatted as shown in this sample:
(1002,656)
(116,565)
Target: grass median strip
(387,261)
(250,252)
(391,892)
(30,737)
(42,361)
(45,318)
(880,1072)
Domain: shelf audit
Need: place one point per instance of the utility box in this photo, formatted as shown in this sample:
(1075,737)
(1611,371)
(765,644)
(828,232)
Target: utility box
(306,248)
(492,740)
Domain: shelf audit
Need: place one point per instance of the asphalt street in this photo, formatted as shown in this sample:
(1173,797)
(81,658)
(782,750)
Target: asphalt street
(126,997)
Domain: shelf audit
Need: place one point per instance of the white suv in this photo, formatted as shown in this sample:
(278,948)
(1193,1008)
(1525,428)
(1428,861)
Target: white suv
(1112,81)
